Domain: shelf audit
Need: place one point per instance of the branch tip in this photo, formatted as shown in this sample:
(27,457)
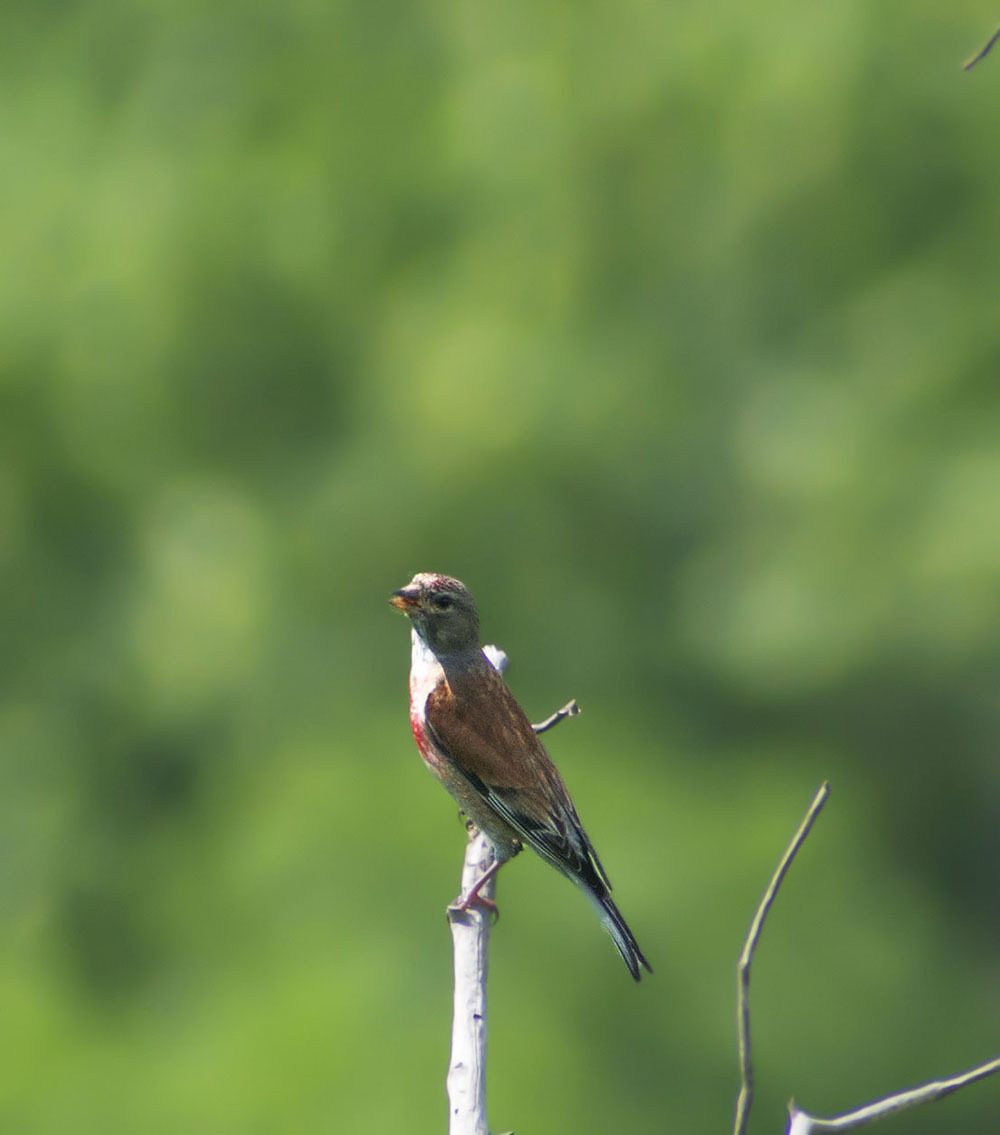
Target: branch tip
(982,52)
(570,709)
(745,1098)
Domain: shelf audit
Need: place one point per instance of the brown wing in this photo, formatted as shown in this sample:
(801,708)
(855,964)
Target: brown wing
(477,722)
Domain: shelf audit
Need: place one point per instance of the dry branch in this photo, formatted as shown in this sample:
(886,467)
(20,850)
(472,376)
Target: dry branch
(801,1122)
(745,1098)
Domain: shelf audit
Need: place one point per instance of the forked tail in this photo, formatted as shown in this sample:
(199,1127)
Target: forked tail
(624,939)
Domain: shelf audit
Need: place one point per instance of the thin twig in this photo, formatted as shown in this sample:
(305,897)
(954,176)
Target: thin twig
(745,1098)
(570,709)
(983,52)
(801,1123)
(499,660)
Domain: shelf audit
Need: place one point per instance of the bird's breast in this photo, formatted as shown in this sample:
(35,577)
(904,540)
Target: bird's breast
(432,758)
(426,674)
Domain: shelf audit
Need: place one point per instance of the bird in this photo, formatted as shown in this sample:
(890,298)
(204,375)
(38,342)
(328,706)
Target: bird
(476,739)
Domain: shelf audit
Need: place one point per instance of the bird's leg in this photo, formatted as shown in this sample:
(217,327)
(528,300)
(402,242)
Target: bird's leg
(472,897)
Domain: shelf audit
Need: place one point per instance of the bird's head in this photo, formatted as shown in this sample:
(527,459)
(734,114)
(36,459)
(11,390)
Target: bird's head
(441,610)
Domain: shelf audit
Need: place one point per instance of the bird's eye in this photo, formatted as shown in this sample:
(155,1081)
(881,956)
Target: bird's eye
(443,602)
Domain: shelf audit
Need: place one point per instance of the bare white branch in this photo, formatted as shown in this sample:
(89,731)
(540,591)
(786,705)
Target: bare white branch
(470,934)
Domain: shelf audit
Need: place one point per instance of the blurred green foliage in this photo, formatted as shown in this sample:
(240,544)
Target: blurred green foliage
(672,330)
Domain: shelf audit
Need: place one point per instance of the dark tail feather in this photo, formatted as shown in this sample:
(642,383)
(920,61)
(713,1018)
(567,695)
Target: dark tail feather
(617,927)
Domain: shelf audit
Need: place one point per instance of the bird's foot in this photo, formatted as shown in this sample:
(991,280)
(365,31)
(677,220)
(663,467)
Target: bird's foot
(464,903)
(474,896)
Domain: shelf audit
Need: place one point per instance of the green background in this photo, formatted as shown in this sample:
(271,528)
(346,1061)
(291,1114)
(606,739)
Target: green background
(674,331)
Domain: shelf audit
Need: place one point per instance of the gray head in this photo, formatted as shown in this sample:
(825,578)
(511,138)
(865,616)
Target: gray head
(442,612)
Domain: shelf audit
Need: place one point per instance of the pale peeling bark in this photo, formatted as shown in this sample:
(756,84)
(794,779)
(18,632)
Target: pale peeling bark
(470,933)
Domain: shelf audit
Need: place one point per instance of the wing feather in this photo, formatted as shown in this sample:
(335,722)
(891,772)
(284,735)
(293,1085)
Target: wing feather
(478,724)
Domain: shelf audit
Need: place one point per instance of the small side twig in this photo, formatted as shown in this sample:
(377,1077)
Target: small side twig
(801,1123)
(982,52)
(570,709)
(745,1097)
(499,660)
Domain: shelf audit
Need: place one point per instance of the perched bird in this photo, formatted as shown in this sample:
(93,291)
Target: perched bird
(476,739)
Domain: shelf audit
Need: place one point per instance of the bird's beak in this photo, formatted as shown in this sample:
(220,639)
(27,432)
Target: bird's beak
(404,599)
